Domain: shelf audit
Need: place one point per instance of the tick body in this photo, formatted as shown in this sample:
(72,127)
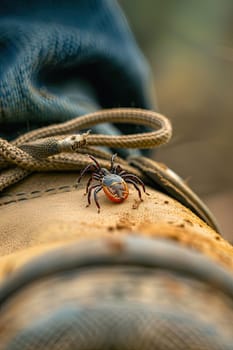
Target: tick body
(115,188)
(114,183)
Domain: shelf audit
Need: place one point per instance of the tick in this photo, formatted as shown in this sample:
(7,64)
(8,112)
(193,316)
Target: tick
(113,182)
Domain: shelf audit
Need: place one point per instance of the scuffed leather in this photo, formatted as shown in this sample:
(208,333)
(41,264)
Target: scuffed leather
(32,226)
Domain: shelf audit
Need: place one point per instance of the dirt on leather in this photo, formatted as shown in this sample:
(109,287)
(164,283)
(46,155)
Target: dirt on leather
(158,216)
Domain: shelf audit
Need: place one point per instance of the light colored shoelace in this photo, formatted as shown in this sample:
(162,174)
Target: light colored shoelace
(59,147)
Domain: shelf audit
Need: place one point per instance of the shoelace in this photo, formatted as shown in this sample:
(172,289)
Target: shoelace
(47,148)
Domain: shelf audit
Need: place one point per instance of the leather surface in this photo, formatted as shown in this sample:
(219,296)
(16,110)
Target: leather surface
(58,215)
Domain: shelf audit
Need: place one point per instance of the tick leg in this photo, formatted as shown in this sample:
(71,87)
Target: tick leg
(97,176)
(96,162)
(122,172)
(93,177)
(95,197)
(113,168)
(83,172)
(137,188)
(117,169)
(88,184)
(89,193)
(135,179)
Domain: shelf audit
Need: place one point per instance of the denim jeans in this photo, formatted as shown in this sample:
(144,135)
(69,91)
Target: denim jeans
(63,58)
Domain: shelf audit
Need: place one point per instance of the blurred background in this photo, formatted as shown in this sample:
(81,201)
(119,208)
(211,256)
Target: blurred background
(189,46)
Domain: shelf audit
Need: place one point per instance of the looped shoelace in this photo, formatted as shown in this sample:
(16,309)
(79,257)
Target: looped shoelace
(55,148)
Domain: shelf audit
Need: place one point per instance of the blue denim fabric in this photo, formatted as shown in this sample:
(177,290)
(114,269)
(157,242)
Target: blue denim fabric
(63,58)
